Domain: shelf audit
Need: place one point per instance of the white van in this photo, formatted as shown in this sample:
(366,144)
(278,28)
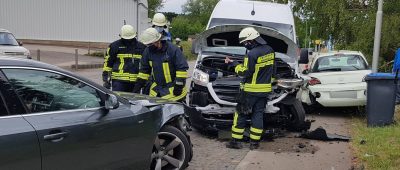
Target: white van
(214,87)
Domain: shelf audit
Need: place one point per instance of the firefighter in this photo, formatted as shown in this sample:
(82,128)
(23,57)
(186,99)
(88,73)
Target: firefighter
(167,66)
(257,71)
(121,63)
(159,22)
(178,43)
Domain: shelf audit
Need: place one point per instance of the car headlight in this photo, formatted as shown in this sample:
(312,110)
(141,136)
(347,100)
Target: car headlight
(289,83)
(200,78)
(27,53)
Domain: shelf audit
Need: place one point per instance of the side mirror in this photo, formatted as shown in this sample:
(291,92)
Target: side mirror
(111,102)
(20,43)
(303,56)
(305,71)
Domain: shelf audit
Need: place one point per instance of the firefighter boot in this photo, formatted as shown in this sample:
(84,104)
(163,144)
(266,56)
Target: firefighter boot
(254,144)
(234,144)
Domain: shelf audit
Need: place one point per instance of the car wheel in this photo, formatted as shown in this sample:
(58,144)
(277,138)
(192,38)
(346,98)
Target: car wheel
(171,149)
(296,116)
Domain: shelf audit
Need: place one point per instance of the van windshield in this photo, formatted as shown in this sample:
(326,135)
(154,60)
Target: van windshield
(7,39)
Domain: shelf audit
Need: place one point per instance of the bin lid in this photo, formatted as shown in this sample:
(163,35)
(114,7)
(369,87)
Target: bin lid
(380,76)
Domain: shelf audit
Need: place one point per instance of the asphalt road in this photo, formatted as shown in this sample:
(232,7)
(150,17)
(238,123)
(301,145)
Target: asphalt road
(288,152)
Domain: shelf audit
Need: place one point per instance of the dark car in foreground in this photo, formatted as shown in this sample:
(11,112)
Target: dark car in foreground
(53,119)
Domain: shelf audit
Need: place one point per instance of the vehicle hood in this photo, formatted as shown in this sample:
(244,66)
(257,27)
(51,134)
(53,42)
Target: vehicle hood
(169,109)
(144,100)
(341,77)
(228,35)
(12,50)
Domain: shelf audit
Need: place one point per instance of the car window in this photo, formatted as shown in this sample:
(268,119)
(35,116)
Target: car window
(7,39)
(43,91)
(339,63)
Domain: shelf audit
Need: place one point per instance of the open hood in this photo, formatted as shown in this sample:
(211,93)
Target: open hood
(228,35)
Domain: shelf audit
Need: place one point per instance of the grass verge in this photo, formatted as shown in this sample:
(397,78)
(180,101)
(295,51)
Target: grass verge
(187,50)
(376,148)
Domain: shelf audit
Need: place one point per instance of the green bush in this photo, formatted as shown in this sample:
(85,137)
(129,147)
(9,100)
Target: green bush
(187,50)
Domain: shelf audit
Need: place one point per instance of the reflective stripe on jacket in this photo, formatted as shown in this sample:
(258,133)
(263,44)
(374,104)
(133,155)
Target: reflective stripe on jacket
(167,67)
(257,70)
(123,60)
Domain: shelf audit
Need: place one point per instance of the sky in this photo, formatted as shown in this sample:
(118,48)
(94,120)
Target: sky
(173,6)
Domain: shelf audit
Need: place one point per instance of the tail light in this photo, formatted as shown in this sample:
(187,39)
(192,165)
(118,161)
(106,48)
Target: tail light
(314,81)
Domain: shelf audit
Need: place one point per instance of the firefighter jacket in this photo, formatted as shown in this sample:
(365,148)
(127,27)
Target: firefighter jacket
(123,59)
(257,70)
(168,68)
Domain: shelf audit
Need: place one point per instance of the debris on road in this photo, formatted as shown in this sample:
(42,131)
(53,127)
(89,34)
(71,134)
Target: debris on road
(320,134)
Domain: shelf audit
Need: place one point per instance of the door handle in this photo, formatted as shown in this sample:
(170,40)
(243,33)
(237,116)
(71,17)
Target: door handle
(55,137)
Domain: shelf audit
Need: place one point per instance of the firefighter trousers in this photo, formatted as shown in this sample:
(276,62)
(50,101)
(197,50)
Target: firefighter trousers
(258,105)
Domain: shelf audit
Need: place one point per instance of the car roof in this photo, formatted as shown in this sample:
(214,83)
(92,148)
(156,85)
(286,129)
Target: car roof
(20,62)
(347,52)
(4,30)
(264,11)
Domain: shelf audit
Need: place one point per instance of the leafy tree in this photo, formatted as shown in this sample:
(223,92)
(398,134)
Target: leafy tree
(183,26)
(154,5)
(199,10)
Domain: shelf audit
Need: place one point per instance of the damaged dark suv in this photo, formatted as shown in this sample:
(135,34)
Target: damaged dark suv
(213,88)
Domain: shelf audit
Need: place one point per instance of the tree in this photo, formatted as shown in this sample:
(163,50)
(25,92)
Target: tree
(154,5)
(199,10)
(183,26)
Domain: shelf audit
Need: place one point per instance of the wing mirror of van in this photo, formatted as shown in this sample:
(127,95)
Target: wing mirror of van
(303,56)
(20,43)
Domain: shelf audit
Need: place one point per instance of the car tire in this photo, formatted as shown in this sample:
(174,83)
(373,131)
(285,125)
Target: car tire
(171,149)
(296,115)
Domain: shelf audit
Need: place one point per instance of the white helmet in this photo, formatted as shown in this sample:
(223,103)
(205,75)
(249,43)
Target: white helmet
(127,32)
(159,20)
(150,35)
(178,40)
(248,33)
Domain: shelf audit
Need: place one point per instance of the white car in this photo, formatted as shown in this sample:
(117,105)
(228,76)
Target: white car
(9,46)
(336,79)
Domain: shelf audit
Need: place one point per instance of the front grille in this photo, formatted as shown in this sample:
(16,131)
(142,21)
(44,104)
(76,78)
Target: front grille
(227,88)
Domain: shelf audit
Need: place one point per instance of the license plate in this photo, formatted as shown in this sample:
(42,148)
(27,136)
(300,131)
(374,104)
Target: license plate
(344,94)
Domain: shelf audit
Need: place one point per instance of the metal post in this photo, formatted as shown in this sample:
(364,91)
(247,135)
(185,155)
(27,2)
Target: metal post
(38,55)
(377,39)
(76,59)
(89,48)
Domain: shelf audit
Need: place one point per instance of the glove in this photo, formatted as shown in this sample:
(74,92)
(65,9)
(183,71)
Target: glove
(242,106)
(178,87)
(178,90)
(107,84)
(139,85)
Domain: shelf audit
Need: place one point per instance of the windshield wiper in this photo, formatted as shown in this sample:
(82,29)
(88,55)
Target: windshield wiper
(330,69)
(356,67)
(9,44)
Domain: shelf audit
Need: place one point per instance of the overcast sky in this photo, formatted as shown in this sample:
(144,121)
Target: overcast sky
(173,6)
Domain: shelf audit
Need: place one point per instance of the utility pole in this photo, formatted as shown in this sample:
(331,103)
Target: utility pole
(377,39)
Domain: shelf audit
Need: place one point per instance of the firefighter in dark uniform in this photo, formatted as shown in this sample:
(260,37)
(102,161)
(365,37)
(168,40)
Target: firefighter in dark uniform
(121,63)
(167,66)
(257,71)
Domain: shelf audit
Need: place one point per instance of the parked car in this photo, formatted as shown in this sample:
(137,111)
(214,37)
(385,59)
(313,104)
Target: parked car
(53,119)
(336,79)
(9,46)
(213,88)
